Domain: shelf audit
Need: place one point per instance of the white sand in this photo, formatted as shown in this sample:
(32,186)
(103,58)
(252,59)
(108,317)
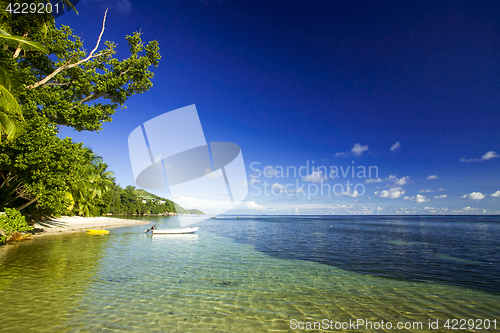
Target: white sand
(68,224)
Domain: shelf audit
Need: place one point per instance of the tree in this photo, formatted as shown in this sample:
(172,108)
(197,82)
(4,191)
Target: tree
(92,182)
(11,116)
(39,168)
(10,223)
(66,87)
(40,173)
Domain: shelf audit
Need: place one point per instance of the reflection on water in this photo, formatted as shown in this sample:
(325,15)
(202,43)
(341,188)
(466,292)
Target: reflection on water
(130,281)
(42,278)
(169,238)
(458,250)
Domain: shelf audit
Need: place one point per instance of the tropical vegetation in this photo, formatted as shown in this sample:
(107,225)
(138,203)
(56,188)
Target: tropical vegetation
(47,81)
(132,201)
(12,222)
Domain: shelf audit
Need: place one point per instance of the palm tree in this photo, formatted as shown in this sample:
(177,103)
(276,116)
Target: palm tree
(94,180)
(11,116)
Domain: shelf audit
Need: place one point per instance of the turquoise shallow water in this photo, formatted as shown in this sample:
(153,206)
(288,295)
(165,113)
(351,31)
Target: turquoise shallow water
(457,250)
(131,282)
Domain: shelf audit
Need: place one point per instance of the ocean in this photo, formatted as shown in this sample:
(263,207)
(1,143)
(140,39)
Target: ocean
(259,274)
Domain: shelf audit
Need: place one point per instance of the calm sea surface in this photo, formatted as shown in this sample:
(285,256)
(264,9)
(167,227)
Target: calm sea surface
(256,274)
(458,250)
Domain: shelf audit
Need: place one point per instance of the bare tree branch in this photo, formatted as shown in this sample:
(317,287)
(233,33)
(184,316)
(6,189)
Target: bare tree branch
(90,97)
(60,69)
(124,72)
(57,83)
(100,35)
(19,48)
(27,204)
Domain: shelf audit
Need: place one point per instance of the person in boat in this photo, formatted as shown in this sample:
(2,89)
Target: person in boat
(152,228)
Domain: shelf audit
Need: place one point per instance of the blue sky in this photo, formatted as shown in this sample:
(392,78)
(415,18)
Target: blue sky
(337,83)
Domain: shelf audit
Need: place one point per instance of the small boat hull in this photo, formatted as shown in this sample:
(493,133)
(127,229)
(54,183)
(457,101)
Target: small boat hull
(97,232)
(175,231)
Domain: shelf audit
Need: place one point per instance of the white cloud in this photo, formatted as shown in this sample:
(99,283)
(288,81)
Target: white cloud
(433,177)
(474,196)
(269,171)
(278,187)
(398,181)
(392,193)
(421,198)
(373,180)
(440,196)
(402,181)
(488,156)
(121,6)
(207,206)
(252,181)
(441,189)
(315,177)
(426,191)
(288,198)
(250,204)
(396,146)
(292,191)
(418,199)
(214,174)
(358,149)
(350,193)
(496,194)
(468,209)
(282,189)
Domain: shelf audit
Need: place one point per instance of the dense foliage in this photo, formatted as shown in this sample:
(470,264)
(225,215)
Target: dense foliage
(58,83)
(130,201)
(10,222)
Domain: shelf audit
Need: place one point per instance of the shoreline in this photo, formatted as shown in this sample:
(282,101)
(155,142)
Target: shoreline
(72,224)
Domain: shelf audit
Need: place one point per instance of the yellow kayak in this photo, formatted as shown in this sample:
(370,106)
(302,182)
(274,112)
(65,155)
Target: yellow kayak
(97,232)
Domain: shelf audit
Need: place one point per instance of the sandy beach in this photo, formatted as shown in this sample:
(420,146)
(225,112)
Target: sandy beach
(69,224)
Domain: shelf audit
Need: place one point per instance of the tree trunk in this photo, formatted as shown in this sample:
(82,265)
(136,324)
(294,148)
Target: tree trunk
(27,204)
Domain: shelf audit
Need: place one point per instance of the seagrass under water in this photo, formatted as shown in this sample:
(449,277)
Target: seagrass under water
(130,282)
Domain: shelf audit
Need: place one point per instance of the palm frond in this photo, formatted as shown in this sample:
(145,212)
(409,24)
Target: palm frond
(10,126)
(8,103)
(25,43)
(69,4)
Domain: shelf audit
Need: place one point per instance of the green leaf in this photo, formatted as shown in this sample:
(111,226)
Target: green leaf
(11,116)
(25,43)
(8,103)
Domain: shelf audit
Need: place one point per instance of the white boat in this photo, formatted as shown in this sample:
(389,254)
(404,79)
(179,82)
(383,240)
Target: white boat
(176,231)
